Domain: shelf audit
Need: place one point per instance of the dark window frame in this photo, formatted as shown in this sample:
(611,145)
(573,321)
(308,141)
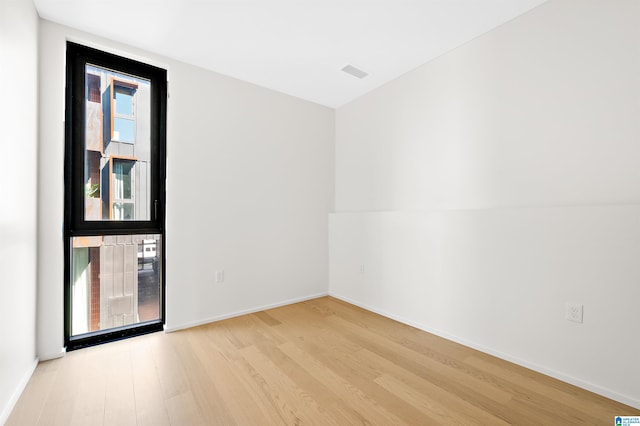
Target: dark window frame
(75,225)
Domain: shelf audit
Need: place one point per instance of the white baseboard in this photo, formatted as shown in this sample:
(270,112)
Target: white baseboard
(6,411)
(243,312)
(522,362)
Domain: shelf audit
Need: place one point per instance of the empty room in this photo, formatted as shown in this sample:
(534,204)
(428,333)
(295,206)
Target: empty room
(320,212)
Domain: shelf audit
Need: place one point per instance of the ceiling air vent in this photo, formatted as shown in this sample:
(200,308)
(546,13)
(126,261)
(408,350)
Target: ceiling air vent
(350,69)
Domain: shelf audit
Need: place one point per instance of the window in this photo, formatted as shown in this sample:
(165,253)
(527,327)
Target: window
(122,184)
(114,197)
(123,107)
(93,83)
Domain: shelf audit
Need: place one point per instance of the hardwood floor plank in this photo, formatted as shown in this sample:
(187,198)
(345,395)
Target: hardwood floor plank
(236,394)
(171,376)
(425,343)
(89,406)
(419,364)
(29,407)
(119,399)
(432,408)
(183,410)
(205,392)
(307,383)
(59,405)
(347,365)
(266,318)
(151,409)
(585,406)
(370,411)
(294,404)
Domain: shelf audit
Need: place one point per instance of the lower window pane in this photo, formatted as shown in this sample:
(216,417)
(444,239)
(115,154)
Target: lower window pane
(115,281)
(123,211)
(124,130)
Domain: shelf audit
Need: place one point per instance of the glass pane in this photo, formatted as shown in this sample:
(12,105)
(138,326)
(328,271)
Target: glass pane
(122,177)
(116,281)
(118,111)
(123,211)
(123,100)
(124,130)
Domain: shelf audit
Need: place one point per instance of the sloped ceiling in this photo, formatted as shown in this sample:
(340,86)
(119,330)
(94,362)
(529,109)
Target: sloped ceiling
(293,46)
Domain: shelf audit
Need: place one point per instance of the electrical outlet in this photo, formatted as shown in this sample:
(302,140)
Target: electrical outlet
(573,312)
(219,277)
(362,268)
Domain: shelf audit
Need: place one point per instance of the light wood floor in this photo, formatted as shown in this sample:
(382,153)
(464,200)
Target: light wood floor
(317,362)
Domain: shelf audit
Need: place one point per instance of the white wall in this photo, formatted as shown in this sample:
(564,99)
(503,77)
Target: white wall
(485,189)
(249,189)
(250,186)
(18,174)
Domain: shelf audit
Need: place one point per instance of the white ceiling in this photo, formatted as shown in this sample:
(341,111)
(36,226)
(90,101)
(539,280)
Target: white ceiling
(294,46)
